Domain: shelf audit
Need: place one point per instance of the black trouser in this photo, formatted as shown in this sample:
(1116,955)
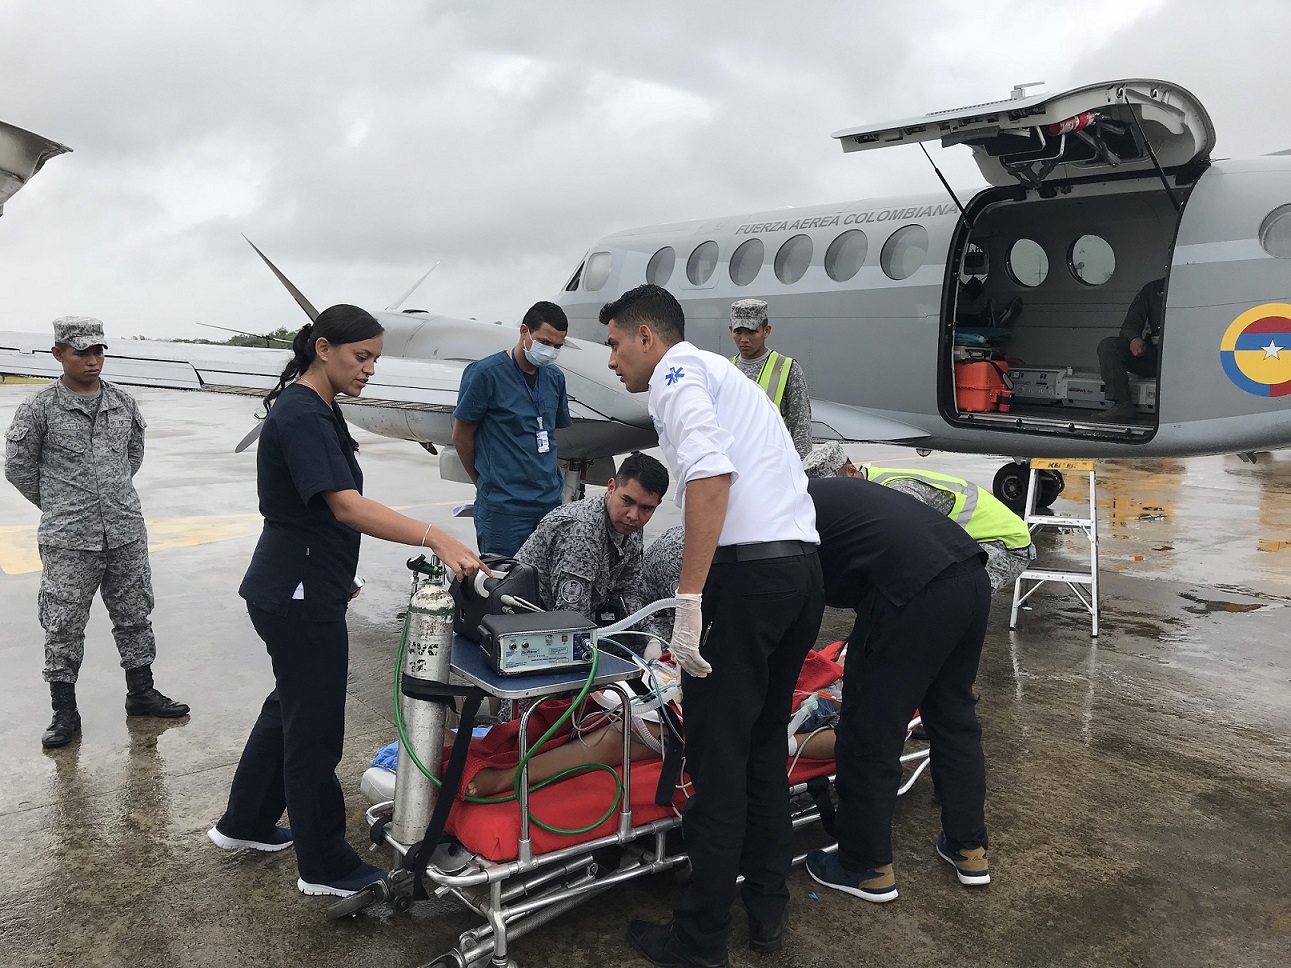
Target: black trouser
(291,756)
(762,618)
(921,655)
(1116,363)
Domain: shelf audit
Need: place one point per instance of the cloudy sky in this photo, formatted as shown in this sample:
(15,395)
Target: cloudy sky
(357,144)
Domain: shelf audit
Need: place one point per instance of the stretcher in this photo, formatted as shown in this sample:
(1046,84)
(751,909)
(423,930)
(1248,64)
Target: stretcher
(503,864)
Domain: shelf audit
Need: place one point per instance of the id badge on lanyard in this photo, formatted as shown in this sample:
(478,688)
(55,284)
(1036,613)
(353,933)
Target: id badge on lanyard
(541,438)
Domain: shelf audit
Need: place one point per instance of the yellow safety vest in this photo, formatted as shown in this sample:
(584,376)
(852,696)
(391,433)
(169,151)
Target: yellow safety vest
(774,375)
(976,510)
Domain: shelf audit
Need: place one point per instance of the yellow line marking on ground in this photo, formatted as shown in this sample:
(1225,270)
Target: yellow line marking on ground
(20,556)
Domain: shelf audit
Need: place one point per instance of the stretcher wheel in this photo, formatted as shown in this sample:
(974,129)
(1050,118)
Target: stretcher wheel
(401,903)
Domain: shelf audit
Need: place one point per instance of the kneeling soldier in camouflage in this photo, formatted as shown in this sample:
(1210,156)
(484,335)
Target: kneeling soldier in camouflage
(72,451)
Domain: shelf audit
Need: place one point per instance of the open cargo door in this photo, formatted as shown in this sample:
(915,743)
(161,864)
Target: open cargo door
(1126,126)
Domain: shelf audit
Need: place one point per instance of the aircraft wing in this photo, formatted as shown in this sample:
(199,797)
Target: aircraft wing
(839,421)
(410,399)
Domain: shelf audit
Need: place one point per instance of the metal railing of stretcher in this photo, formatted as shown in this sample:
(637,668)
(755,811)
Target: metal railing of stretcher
(515,897)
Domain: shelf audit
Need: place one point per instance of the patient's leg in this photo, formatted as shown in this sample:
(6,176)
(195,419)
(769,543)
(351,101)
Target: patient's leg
(818,745)
(603,746)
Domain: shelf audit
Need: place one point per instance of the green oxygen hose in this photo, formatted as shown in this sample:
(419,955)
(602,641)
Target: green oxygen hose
(562,775)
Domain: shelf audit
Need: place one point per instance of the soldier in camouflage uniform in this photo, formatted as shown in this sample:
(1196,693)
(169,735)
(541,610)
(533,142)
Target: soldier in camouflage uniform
(660,571)
(588,554)
(780,376)
(72,451)
(1001,533)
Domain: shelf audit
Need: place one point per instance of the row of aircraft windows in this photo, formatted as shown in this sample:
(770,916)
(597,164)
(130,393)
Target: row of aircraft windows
(904,251)
(1090,259)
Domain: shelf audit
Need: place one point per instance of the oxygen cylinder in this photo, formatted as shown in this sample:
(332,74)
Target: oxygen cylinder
(427,655)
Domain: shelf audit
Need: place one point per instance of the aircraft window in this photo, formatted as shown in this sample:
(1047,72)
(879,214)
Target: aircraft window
(904,251)
(572,285)
(702,262)
(659,269)
(792,259)
(975,265)
(746,262)
(1028,264)
(597,271)
(1091,260)
(1275,232)
(846,254)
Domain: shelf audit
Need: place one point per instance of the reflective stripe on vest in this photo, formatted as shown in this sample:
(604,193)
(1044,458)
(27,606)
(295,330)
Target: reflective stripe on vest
(774,376)
(977,511)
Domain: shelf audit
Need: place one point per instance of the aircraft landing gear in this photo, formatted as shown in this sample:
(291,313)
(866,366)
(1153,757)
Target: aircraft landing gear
(1010,486)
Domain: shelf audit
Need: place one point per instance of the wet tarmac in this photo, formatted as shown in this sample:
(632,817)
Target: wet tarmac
(1140,783)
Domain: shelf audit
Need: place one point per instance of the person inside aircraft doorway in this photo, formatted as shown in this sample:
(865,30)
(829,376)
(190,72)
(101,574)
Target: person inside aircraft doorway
(779,375)
(509,406)
(1134,350)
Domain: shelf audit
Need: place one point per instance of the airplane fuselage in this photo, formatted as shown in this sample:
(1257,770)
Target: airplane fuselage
(878,346)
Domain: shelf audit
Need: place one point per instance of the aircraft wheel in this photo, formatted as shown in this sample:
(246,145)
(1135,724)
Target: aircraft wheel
(1010,485)
(1051,485)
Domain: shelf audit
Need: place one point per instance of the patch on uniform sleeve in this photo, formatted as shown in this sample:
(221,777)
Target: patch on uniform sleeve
(674,374)
(571,592)
(16,433)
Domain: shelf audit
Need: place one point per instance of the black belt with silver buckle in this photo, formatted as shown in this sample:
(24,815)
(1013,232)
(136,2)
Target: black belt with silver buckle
(761,551)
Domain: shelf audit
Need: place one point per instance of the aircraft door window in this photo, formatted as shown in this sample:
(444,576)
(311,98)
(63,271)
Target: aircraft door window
(598,270)
(747,261)
(659,268)
(1091,260)
(1028,263)
(792,259)
(1275,232)
(846,254)
(702,262)
(904,251)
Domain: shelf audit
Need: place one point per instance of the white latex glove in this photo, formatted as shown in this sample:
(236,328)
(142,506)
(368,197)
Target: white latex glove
(686,631)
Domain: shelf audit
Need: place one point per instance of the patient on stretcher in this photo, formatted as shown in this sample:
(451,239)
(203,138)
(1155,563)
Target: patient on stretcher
(597,736)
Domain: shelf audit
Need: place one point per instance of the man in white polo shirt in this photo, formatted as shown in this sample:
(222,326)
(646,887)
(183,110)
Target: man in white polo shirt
(750,601)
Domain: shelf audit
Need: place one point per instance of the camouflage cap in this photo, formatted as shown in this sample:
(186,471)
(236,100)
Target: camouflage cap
(748,313)
(825,460)
(79,332)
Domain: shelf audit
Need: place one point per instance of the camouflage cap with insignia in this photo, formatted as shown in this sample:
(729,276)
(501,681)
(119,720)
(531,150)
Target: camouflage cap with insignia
(825,460)
(748,313)
(79,332)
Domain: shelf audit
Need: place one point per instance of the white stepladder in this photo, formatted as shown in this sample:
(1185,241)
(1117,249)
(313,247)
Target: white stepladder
(1077,581)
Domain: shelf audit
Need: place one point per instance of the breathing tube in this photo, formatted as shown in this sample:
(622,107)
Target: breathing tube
(564,717)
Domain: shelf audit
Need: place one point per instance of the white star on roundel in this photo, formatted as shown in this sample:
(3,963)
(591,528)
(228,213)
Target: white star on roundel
(1272,350)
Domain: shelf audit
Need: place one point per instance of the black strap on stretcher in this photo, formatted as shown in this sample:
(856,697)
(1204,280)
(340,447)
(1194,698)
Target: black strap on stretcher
(418,855)
(674,753)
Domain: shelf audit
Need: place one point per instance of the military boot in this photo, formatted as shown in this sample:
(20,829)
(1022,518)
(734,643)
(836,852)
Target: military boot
(142,699)
(67,721)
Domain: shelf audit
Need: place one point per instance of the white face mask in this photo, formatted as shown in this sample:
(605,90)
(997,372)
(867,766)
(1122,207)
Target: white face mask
(540,354)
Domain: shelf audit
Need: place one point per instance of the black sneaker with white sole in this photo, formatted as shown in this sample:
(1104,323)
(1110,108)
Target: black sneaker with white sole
(280,839)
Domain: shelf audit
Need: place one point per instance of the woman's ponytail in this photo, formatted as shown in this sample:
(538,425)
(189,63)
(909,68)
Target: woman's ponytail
(302,354)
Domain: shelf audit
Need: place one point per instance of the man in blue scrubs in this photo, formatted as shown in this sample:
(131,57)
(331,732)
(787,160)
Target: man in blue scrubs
(509,406)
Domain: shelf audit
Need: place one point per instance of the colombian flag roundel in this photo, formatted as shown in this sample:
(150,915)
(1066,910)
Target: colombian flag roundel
(1256,350)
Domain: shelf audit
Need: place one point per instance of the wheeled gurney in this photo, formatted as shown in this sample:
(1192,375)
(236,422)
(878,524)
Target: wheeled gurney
(503,862)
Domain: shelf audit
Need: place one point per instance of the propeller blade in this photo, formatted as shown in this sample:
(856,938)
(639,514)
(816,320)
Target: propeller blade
(250,438)
(243,332)
(394,306)
(299,296)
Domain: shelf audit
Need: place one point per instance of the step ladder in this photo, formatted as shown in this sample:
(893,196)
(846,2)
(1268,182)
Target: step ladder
(1083,584)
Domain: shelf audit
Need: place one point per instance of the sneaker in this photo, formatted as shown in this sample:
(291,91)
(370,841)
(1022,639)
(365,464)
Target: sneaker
(280,839)
(877,885)
(1119,413)
(970,863)
(363,876)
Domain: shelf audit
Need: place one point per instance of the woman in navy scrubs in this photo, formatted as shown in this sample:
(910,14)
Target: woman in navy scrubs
(297,587)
